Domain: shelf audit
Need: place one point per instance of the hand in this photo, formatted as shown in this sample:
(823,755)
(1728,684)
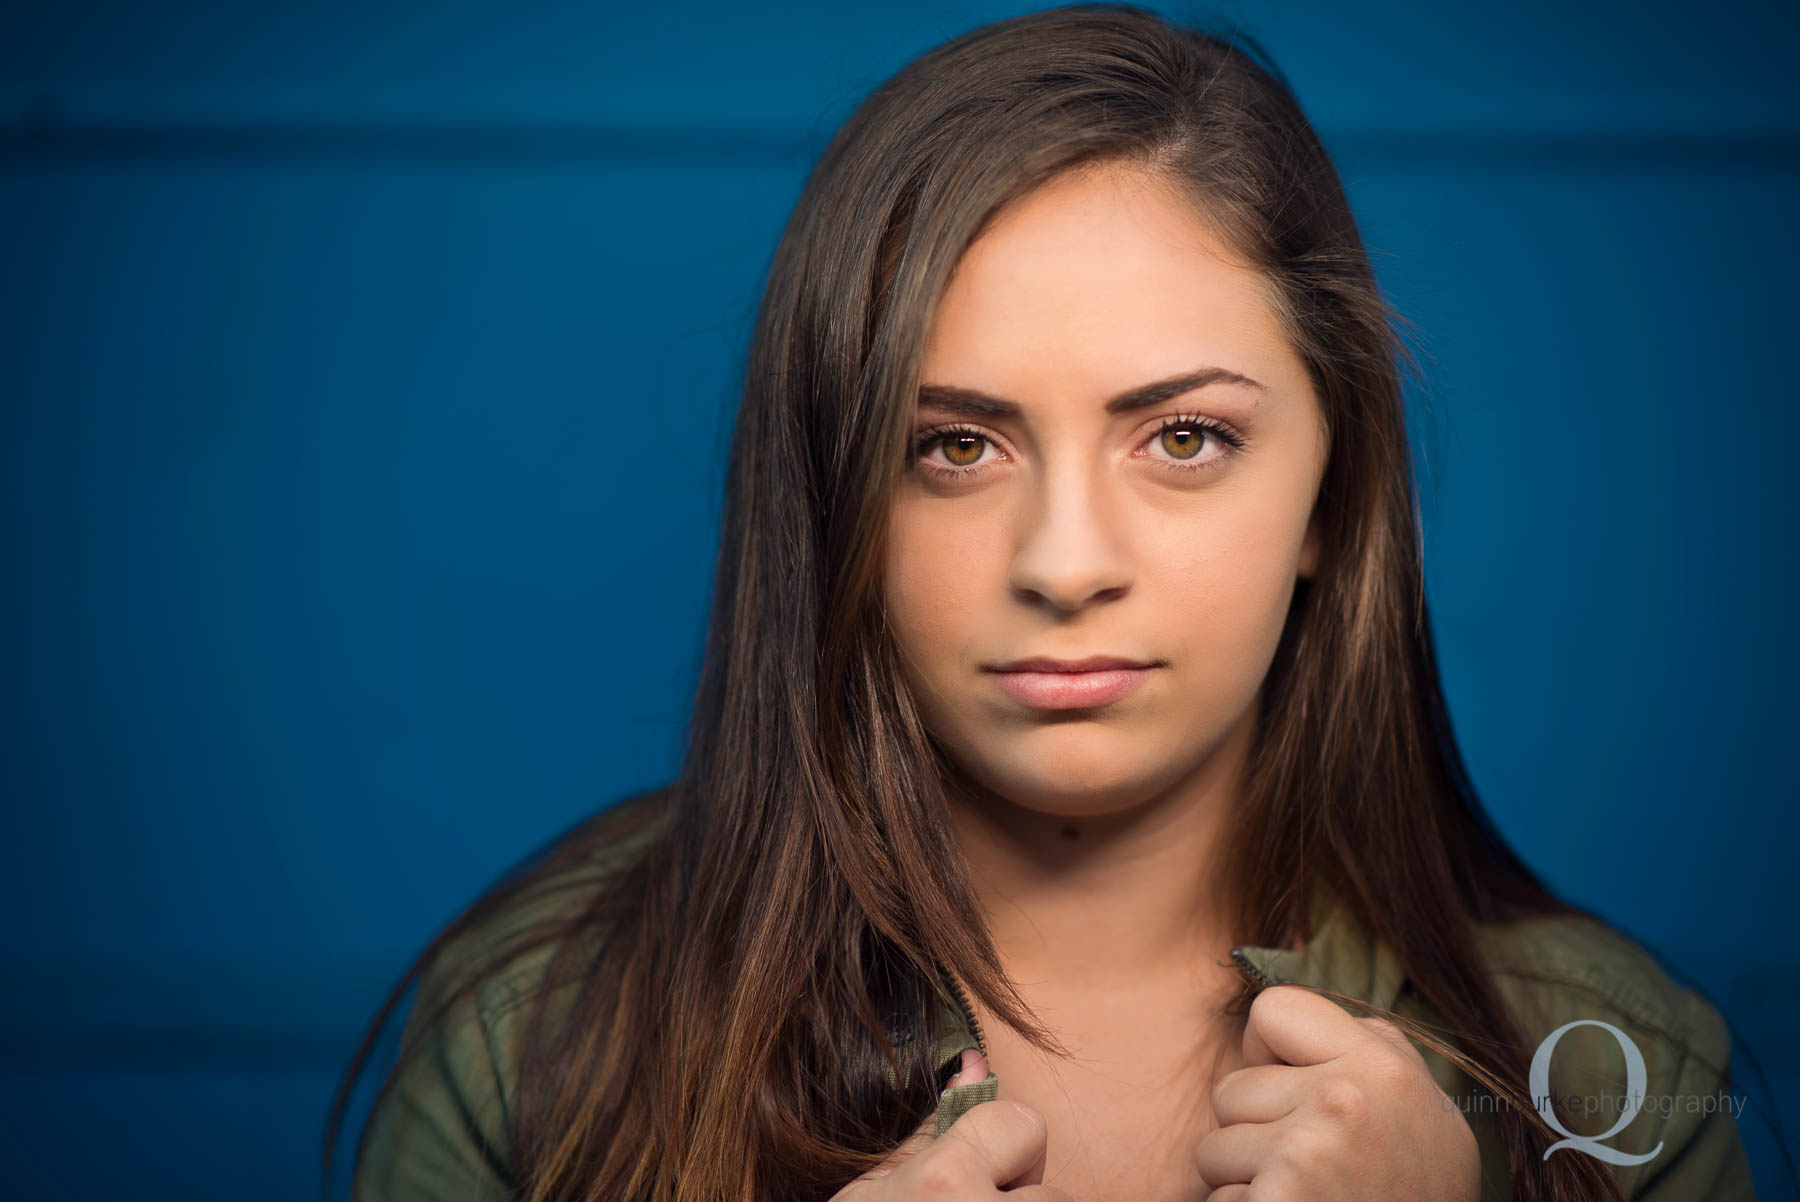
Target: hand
(1331,1106)
(996,1144)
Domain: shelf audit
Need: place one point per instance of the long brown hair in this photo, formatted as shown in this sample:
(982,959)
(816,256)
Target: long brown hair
(801,888)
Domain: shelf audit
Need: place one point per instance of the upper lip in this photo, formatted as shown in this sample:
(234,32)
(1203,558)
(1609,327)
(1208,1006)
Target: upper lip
(1093,663)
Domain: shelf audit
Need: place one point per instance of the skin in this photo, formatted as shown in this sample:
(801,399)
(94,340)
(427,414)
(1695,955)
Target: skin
(1075,532)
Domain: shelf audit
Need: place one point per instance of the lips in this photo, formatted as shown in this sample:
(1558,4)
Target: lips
(1093,663)
(1045,683)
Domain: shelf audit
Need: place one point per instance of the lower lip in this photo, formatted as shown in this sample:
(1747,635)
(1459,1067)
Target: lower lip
(1070,690)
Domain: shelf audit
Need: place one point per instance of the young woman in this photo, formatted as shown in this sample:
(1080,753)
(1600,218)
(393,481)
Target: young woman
(1070,808)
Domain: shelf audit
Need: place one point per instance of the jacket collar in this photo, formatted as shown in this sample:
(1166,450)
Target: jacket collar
(1341,955)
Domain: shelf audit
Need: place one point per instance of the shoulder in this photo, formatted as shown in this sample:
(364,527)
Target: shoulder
(1617,1045)
(513,933)
(1563,968)
(442,1126)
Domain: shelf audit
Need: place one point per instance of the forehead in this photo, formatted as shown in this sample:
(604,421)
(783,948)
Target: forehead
(1100,272)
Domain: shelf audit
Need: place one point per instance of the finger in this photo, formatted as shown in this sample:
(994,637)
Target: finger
(1257,1095)
(974,1068)
(1389,1031)
(1291,1025)
(1232,1154)
(908,1148)
(1040,1193)
(1006,1140)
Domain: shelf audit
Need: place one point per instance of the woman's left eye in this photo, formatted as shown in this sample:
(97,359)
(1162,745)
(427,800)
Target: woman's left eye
(1182,439)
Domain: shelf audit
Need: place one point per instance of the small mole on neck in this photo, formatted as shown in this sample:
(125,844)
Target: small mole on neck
(1071,832)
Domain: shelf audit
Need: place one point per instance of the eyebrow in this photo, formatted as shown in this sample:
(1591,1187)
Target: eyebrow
(970,402)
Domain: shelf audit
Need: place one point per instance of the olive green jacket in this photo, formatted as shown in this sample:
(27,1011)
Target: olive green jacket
(440,1135)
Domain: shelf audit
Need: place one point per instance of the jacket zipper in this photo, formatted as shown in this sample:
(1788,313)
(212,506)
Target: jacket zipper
(962,999)
(1246,966)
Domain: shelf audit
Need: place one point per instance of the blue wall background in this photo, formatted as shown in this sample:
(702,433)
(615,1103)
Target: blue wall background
(368,372)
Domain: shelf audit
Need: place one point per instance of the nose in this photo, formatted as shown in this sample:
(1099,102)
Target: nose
(1069,553)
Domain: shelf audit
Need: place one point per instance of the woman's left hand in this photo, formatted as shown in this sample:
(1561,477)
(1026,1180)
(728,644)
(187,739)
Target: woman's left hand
(1331,1106)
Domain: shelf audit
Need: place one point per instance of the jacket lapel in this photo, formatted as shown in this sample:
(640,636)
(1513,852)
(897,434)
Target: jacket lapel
(1342,955)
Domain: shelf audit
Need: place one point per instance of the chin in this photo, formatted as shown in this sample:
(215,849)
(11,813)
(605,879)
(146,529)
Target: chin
(1103,776)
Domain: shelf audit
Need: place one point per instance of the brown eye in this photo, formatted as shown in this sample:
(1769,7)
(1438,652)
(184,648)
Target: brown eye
(1183,437)
(956,446)
(1183,442)
(962,448)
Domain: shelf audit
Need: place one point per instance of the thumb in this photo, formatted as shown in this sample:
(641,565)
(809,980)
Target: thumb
(974,1068)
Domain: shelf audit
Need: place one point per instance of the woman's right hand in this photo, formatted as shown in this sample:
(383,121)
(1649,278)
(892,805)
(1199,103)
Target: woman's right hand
(993,1147)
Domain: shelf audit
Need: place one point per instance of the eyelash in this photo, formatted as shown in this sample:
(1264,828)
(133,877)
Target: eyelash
(1234,442)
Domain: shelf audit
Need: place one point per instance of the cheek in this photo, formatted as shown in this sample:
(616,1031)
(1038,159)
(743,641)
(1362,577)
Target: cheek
(1225,585)
(933,573)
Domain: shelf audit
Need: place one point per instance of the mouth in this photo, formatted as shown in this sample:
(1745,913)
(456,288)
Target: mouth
(1058,684)
(1093,663)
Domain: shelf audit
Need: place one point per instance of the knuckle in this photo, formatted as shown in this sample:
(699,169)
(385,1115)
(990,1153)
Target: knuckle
(937,1176)
(1296,1146)
(1389,1070)
(1343,1099)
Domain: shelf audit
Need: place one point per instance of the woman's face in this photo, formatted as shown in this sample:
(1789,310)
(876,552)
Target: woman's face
(1063,502)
